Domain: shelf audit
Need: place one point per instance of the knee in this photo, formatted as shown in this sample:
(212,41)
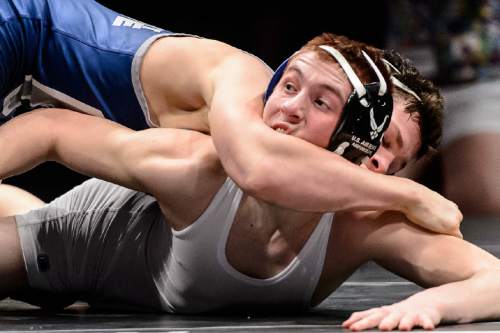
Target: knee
(14,200)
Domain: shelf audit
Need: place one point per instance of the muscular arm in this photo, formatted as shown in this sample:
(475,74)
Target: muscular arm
(464,280)
(171,164)
(296,174)
(200,76)
(269,164)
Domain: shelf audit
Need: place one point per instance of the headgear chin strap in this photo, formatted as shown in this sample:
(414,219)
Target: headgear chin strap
(366,114)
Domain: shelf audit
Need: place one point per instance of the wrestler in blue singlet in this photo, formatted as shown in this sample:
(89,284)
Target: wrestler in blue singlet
(74,54)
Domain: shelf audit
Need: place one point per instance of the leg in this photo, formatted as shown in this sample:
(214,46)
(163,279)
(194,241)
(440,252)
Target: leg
(12,271)
(14,200)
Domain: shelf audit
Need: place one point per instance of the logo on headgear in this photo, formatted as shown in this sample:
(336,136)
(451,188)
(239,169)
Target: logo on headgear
(376,129)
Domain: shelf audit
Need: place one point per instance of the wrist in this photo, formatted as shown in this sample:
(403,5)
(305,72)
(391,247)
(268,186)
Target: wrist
(410,195)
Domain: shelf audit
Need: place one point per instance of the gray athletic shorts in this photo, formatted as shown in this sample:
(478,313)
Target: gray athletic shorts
(94,244)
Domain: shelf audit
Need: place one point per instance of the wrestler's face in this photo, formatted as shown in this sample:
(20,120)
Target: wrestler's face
(308,100)
(307,103)
(400,143)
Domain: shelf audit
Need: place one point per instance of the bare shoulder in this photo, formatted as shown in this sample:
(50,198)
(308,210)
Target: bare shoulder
(195,60)
(184,73)
(193,55)
(203,50)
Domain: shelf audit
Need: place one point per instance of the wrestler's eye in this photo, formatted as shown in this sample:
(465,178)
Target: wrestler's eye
(385,141)
(321,103)
(289,87)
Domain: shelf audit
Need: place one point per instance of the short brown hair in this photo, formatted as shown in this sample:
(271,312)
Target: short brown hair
(429,111)
(352,51)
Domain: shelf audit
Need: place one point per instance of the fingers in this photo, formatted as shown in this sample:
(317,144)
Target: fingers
(408,321)
(387,319)
(427,323)
(363,320)
(357,316)
(390,322)
(367,322)
(412,320)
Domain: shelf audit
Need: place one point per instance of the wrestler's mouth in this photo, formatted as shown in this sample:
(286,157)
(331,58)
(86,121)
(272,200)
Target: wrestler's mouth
(282,128)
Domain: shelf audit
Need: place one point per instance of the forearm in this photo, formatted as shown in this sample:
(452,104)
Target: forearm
(316,179)
(473,299)
(295,174)
(463,289)
(83,143)
(157,161)
(281,169)
(292,173)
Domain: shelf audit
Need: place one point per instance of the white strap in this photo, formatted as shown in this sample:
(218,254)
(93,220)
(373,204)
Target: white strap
(405,88)
(383,85)
(398,83)
(353,78)
(391,67)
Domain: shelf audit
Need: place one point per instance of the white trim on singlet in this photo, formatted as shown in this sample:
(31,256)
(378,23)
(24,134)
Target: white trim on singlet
(316,236)
(136,68)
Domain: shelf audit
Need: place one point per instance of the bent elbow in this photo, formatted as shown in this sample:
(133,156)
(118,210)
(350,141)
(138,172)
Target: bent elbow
(258,181)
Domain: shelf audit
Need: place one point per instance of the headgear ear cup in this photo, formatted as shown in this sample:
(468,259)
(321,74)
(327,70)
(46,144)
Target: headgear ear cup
(366,115)
(362,127)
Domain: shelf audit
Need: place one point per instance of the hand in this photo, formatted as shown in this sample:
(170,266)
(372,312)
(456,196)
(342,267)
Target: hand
(432,211)
(404,316)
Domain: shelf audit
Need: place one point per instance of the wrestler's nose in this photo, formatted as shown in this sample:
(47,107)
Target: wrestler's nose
(380,162)
(293,108)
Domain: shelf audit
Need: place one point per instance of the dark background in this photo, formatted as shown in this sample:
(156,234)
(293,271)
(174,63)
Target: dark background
(272,34)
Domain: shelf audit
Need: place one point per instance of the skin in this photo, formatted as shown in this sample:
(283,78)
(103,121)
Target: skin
(211,87)
(188,167)
(196,83)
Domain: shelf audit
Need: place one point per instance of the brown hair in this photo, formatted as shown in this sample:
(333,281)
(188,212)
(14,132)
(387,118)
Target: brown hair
(351,50)
(428,111)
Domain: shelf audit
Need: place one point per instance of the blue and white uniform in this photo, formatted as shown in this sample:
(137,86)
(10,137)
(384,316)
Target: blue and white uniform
(74,54)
